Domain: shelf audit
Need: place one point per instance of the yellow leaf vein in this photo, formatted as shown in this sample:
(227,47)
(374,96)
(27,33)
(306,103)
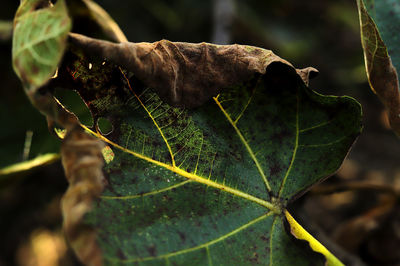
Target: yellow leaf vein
(146,194)
(245,143)
(188,175)
(205,245)
(152,118)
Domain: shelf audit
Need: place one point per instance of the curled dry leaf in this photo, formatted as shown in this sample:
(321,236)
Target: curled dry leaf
(83,162)
(186,74)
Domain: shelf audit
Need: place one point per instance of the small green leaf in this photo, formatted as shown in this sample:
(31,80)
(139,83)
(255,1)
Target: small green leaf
(210,185)
(39,40)
(380,27)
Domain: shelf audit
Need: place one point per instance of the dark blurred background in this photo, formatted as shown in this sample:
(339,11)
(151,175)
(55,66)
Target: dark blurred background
(355,213)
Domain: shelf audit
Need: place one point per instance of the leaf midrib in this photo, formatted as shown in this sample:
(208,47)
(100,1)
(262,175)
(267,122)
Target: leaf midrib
(274,208)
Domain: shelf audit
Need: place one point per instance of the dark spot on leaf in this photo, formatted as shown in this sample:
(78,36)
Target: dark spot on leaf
(235,155)
(280,136)
(230,241)
(182,236)
(267,249)
(254,257)
(152,250)
(35,69)
(121,254)
(275,169)
(198,223)
(166,198)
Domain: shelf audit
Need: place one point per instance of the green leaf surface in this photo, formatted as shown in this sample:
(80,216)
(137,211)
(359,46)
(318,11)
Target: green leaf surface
(209,185)
(39,40)
(386,15)
(380,27)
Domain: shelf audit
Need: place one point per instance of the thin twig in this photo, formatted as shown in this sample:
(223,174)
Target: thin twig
(6,29)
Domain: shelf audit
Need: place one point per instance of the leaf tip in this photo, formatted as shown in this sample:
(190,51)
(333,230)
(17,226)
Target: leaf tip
(300,233)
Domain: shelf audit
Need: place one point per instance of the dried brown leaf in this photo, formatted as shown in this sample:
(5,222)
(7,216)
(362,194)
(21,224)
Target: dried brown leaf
(83,162)
(186,74)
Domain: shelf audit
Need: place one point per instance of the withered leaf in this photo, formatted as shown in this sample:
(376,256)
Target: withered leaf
(83,162)
(185,74)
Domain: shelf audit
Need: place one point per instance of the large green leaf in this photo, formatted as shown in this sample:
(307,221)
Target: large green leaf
(380,27)
(39,40)
(210,185)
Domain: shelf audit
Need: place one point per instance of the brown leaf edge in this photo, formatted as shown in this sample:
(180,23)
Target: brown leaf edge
(186,74)
(199,70)
(381,73)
